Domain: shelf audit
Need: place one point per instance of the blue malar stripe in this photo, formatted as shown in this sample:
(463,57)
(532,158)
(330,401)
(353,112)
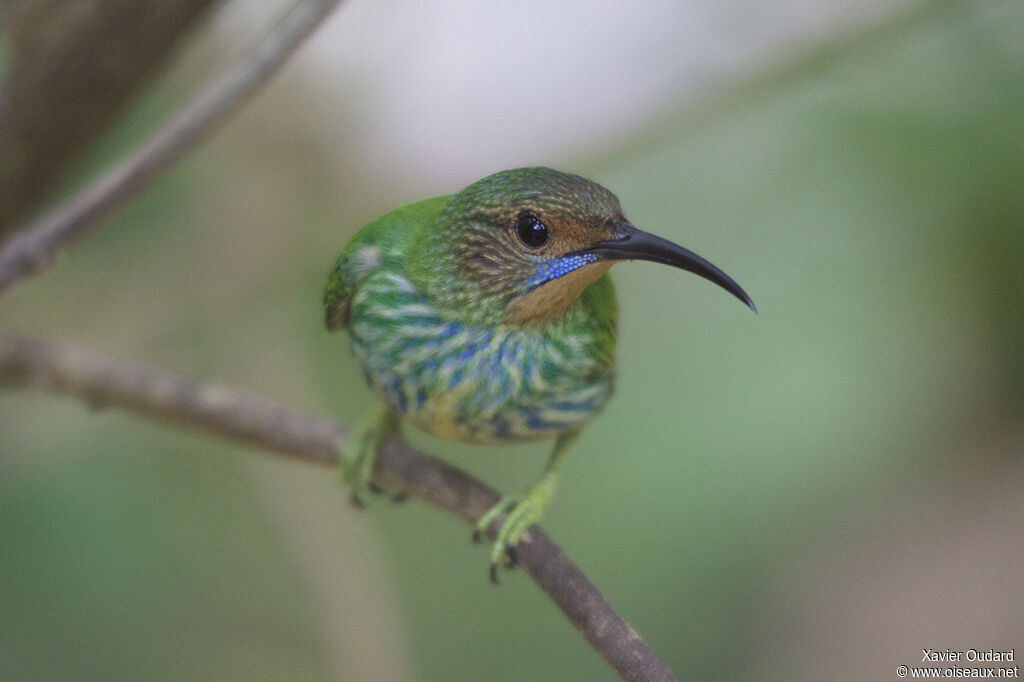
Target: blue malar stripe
(557,267)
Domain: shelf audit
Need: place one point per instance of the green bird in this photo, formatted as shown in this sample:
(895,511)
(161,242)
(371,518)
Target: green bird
(487,316)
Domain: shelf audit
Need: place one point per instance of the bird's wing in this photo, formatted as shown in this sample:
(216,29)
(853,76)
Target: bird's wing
(354,264)
(382,243)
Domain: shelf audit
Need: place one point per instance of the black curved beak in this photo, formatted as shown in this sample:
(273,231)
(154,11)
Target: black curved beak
(629,243)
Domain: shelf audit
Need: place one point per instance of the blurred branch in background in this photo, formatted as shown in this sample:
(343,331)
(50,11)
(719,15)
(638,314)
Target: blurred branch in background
(102,381)
(785,71)
(35,247)
(72,67)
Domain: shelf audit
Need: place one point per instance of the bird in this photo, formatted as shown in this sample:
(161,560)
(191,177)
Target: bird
(488,316)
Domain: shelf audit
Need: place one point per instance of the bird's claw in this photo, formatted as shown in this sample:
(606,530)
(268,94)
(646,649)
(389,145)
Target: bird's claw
(357,469)
(358,455)
(520,514)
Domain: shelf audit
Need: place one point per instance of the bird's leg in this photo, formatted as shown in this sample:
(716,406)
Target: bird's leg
(359,452)
(522,511)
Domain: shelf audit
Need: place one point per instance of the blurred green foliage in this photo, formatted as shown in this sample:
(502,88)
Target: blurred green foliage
(872,207)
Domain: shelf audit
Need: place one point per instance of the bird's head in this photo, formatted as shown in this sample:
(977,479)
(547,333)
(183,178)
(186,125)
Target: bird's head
(521,245)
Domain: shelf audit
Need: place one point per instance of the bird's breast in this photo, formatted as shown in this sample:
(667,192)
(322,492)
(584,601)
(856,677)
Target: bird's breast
(479,383)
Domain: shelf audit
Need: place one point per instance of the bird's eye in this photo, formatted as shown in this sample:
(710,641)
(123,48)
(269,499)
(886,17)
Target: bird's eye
(531,230)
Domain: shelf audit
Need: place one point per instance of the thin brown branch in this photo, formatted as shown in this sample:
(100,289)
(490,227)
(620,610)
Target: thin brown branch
(37,246)
(101,380)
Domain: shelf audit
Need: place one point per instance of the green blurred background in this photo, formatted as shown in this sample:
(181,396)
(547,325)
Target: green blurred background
(816,492)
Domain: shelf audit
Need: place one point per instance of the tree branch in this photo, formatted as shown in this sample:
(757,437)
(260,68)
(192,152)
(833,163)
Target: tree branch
(101,380)
(37,246)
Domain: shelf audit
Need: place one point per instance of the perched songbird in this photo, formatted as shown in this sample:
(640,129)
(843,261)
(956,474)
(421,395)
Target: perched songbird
(487,316)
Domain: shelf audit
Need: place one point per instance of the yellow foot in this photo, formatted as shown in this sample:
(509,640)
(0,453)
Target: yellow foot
(523,511)
(359,453)
(520,513)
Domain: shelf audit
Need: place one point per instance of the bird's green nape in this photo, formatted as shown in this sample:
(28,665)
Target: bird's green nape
(487,316)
